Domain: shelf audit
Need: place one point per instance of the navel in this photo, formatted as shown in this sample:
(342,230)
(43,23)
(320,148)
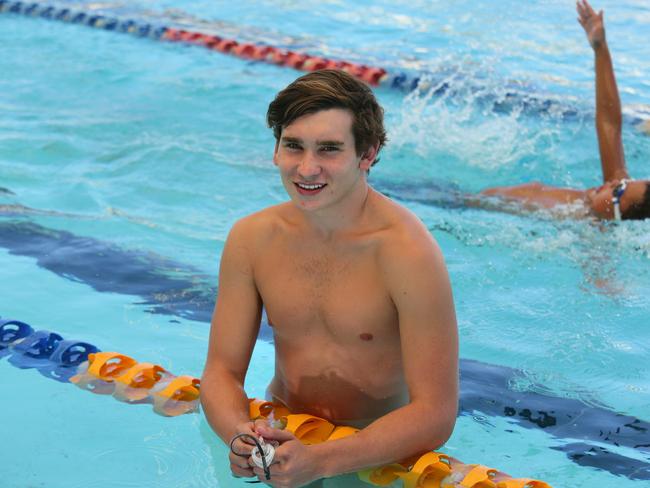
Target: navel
(365,336)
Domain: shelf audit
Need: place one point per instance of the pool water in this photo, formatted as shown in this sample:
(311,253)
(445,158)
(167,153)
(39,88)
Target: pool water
(125,161)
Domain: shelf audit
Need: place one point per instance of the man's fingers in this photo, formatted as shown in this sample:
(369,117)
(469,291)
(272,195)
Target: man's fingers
(270,433)
(240,472)
(240,468)
(259,422)
(273,471)
(240,447)
(283,435)
(240,461)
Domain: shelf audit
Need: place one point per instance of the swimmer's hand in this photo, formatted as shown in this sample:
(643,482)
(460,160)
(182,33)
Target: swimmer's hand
(294,463)
(241,450)
(592,23)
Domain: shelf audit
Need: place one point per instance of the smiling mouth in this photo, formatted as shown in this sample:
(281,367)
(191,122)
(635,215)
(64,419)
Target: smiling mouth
(309,188)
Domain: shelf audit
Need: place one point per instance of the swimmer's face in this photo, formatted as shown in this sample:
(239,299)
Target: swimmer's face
(318,161)
(601,199)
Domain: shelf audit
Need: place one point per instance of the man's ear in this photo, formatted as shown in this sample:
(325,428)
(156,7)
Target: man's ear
(275,153)
(368,157)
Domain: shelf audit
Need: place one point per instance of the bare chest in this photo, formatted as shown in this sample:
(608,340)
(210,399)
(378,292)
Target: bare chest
(339,293)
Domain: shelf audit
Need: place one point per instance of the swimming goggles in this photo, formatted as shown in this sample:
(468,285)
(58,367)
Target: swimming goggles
(617,193)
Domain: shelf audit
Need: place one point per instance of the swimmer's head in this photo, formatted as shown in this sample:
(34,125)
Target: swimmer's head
(634,201)
(639,208)
(327,89)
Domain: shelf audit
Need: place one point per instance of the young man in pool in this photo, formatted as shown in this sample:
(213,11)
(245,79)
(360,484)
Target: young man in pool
(618,197)
(355,289)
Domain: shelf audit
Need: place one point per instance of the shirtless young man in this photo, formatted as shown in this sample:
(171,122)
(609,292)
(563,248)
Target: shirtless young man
(631,197)
(356,291)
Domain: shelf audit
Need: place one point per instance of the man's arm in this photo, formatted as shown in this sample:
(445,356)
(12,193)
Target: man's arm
(419,286)
(608,104)
(235,324)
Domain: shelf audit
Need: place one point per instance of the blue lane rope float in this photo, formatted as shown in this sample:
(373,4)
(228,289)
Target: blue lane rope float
(10,332)
(34,351)
(74,16)
(84,365)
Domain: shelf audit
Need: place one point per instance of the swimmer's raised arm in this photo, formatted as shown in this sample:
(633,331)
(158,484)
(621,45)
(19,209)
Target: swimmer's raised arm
(608,104)
(233,333)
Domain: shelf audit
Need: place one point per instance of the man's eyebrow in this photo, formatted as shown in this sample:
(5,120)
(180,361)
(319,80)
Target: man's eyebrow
(330,143)
(290,139)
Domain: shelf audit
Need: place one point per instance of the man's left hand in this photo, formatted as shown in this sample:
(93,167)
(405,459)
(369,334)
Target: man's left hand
(293,465)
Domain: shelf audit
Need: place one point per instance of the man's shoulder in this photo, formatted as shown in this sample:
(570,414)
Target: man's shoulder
(259,225)
(403,230)
(402,224)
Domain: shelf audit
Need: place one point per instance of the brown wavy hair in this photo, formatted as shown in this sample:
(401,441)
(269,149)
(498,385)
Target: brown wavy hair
(326,89)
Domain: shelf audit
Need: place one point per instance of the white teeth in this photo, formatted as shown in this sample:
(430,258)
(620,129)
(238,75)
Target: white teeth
(309,187)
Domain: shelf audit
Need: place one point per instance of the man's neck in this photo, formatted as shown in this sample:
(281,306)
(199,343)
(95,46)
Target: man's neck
(342,217)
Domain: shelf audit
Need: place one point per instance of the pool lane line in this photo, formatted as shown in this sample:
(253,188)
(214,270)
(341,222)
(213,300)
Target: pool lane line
(515,97)
(374,76)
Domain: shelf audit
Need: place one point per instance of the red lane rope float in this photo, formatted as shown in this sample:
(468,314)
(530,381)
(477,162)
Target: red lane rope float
(299,61)
(258,52)
(430,470)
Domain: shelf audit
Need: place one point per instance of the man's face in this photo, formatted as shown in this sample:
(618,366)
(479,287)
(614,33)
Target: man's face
(318,161)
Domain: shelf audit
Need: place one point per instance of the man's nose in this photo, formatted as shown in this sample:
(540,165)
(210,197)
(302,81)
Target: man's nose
(309,166)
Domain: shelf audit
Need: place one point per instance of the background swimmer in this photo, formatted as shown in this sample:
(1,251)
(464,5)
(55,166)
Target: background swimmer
(632,197)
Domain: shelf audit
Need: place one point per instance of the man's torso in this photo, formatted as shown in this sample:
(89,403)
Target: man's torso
(335,326)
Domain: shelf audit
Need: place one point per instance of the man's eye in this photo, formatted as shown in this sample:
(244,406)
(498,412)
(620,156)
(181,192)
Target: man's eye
(292,145)
(330,148)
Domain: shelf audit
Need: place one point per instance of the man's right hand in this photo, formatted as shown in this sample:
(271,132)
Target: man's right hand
(243,446)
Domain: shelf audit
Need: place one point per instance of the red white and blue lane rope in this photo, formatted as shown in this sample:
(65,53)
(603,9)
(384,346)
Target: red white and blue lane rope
(517,96)
(374,76)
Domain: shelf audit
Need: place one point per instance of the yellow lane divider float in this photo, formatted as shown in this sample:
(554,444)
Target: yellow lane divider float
(430,470)
(112,373)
